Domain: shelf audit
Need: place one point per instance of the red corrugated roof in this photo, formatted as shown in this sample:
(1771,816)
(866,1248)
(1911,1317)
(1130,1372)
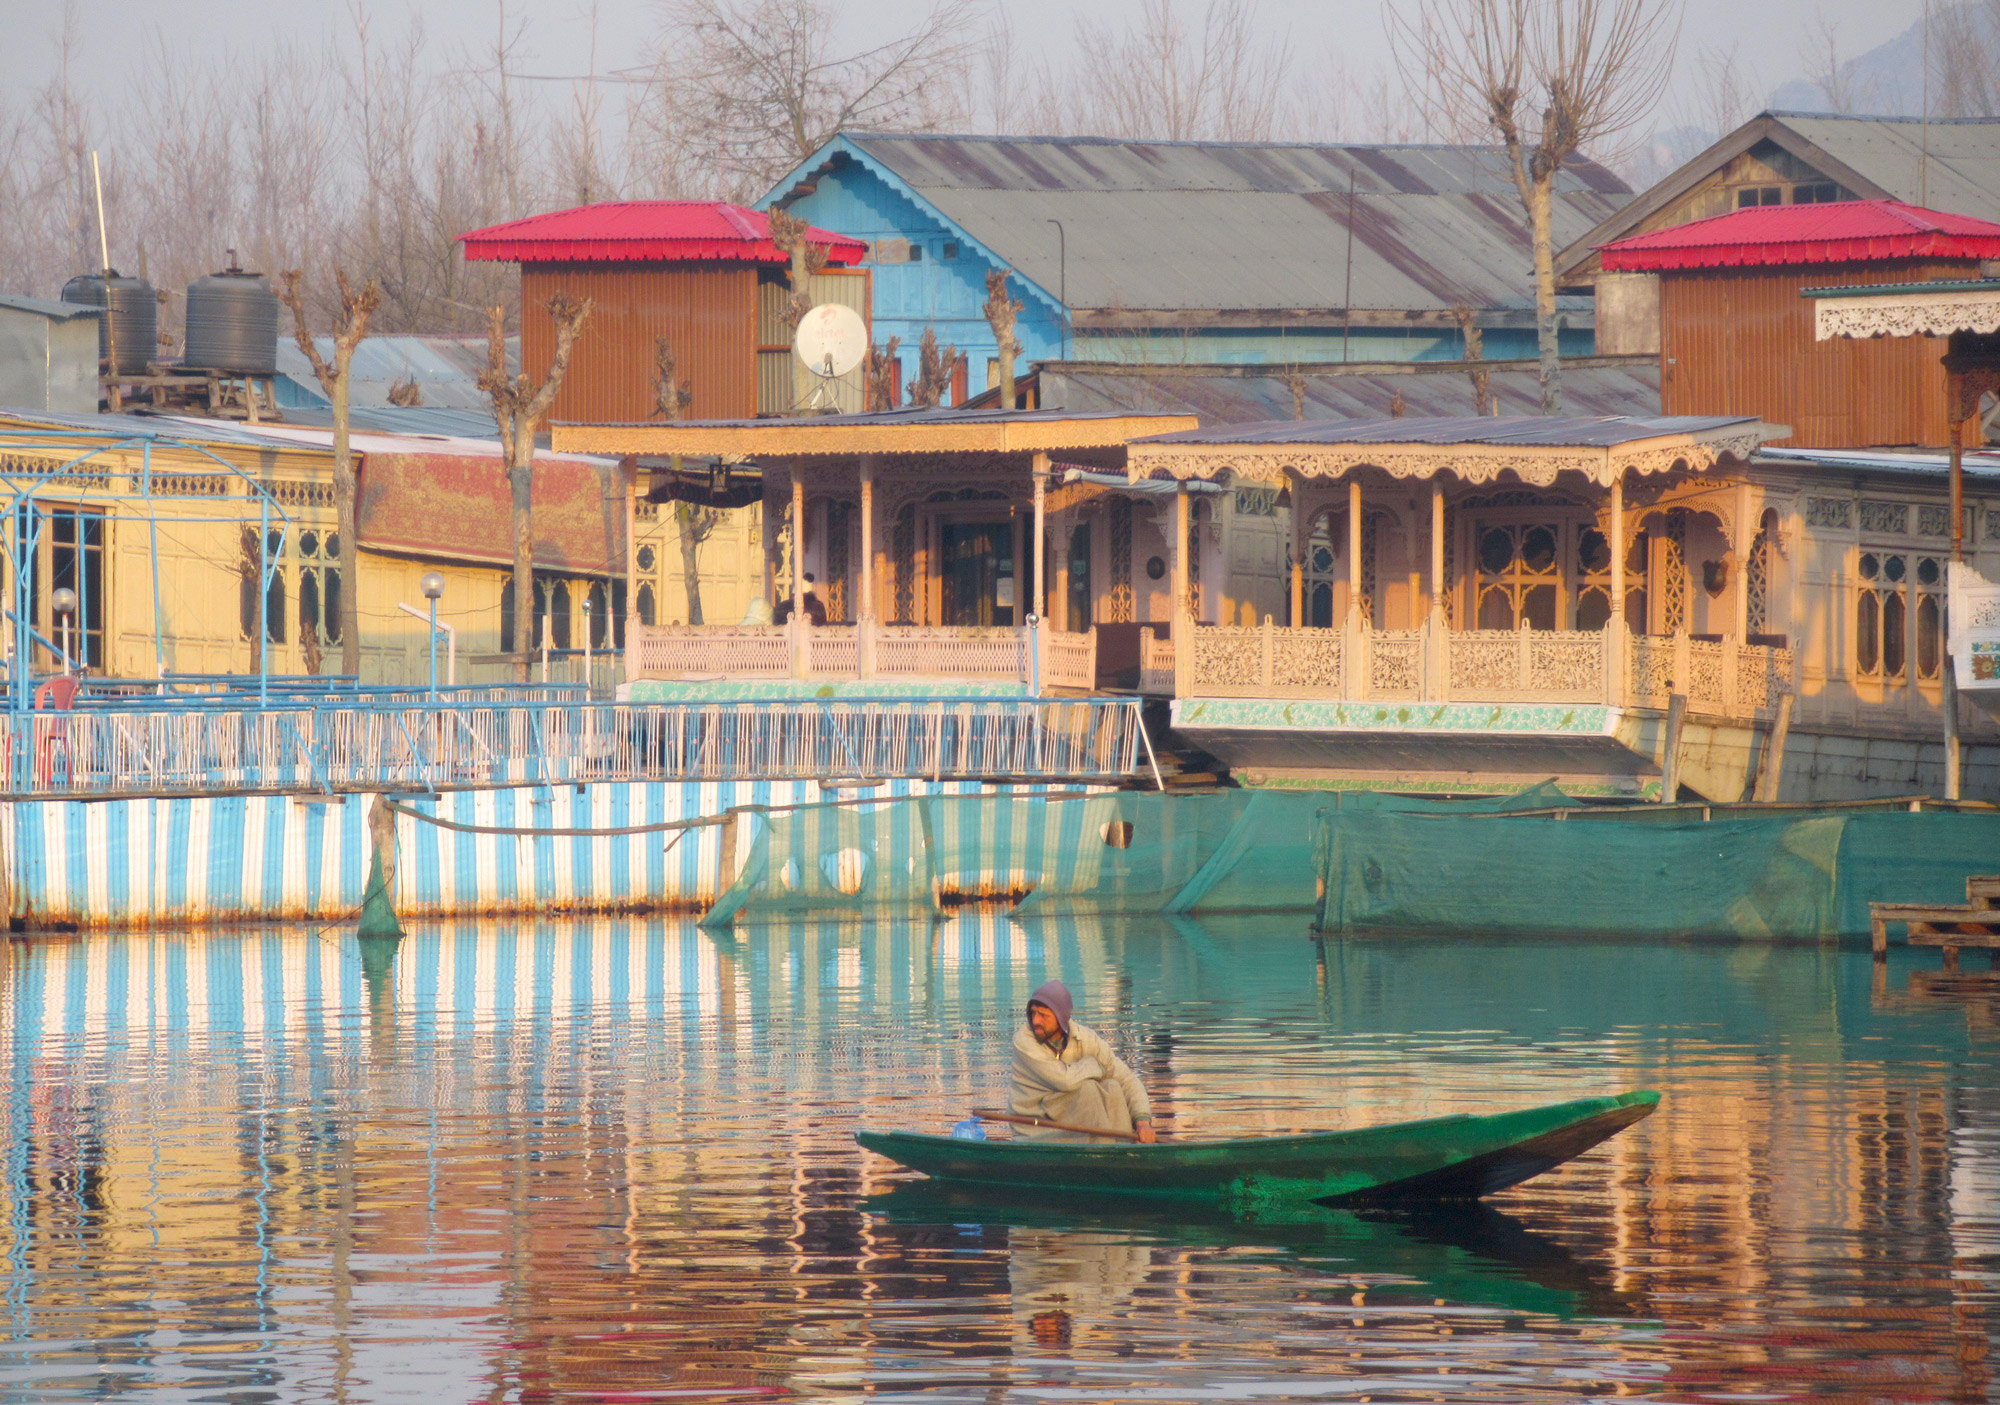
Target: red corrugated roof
(1842,231)
(647,231)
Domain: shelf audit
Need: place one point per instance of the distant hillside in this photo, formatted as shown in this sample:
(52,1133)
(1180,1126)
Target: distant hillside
(1887,80)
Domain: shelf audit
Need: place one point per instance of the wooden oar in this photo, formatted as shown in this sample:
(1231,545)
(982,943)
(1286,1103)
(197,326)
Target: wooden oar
(987,1114)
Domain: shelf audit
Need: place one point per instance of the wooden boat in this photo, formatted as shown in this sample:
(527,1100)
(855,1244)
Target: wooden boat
(1439,1158)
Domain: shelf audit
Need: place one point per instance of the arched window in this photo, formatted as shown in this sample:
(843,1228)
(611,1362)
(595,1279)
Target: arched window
(558,608)
(308,604)
(599,615)
(646,603)
(330,601)
(507,616)
(274,609)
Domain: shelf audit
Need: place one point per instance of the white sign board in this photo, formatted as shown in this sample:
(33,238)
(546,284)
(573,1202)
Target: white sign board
(1974,613)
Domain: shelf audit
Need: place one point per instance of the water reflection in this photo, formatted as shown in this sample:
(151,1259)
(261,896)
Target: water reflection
(574,1161)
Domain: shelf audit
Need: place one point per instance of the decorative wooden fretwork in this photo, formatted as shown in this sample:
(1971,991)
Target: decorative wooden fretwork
(1674,572)
(838,515)
(1370,521)
(903,563)
(290,492)
(1888,518)
(1830,512)
(1933,520)
(1257,502)
(1450,565)
(1757,581)
(1119,602)
(1192,546)
(217,485)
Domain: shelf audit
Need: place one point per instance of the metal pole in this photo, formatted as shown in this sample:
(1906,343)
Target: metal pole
(1062,273)
(434,649)
(153,534)
(264,605)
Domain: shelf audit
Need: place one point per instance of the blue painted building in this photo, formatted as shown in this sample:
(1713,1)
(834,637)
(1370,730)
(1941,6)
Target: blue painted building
(1177,253)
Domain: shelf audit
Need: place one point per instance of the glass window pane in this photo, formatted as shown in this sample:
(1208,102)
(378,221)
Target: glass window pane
(1593,552)
(1496,610)
(1928,651)
(1867,639)
(1538,606)
(1894,637)
(1496,550)
(1538,549)
(1593,609)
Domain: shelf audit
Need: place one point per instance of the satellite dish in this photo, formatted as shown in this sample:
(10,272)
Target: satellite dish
(831,339)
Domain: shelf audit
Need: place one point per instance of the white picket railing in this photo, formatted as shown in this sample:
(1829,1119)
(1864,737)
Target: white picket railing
(838,652)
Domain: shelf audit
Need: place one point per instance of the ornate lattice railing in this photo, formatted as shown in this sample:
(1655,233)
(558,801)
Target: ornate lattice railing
(1438,665)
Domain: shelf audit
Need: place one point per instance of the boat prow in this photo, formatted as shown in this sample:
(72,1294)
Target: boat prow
(1462,1157)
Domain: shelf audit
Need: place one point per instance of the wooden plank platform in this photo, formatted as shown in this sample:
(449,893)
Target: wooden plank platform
(1946,925)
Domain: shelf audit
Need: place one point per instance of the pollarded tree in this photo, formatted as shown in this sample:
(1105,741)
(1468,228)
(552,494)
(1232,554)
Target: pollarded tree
(517,408)
(1549,78)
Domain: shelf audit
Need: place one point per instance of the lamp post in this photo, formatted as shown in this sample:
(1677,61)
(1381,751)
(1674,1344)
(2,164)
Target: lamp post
(433,587)
(586,643)
(64,601)
(1062,274)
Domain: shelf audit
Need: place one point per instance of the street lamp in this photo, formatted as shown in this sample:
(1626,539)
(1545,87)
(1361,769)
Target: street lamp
(433,587)
(64,601)
(586,643)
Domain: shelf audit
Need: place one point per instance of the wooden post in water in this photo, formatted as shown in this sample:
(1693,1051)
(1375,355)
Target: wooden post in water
(1771,765)
(378,910)
(1670,759)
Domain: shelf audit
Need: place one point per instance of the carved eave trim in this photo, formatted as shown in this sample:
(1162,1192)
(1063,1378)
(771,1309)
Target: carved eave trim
(1907,315)
(1535,465)
(807,438)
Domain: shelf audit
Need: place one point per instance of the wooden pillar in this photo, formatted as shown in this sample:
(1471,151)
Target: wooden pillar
(630,476)
(1065,537)
(1439,585)
(1041,472)
(1353,546)
(1298,514)
(1617,536)
(867,571)
(798,544)
(1180,577)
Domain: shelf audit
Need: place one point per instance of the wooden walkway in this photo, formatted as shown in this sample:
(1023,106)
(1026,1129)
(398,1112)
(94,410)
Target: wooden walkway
(1946,925)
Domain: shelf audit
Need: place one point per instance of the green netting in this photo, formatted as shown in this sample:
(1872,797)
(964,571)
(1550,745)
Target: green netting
(1796,874)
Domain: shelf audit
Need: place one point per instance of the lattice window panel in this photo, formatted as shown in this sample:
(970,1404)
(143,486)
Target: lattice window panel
(1118,609)
(1450,567)
(903,553)
(838,515)
(1673,561)
(1757,582)
(1889,518)
(1830,512)
(1933,521)
(1193,547)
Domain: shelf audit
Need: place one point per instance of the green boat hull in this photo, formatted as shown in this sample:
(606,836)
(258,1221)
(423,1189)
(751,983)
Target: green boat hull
(1440,1158)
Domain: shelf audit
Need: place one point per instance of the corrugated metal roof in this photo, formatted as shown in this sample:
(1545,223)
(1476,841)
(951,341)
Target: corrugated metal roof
(1977,463)
(420,421)
(1218,225)
(943,415)
(1843,231)
(1236,399)
(1928,285)
(1540,431)
(446,369)
(650,231)
(46,307)
(1945,164)
(161,430)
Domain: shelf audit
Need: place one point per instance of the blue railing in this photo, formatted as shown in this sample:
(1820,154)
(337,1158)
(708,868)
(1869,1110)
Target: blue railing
(343,744)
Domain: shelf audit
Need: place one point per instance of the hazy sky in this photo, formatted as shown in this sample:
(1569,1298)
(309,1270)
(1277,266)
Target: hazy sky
(557,38)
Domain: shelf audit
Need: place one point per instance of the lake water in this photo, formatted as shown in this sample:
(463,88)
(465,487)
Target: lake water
(607,1161)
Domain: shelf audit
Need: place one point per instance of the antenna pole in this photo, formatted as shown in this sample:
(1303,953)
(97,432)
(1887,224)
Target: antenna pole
(103,241)
(1924,143)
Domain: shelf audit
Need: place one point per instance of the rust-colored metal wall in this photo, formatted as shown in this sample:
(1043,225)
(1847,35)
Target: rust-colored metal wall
(1740,342)
(707,310)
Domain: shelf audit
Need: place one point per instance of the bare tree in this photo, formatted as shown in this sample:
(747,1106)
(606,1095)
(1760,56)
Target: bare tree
(1475,350)
(1001,310)
(1549,78)
(1164,79)
(1720,92)
(672,396)
(1964,59)
(518,407)
(693,523)
(763,84)
(883,371)
(350,325)
(935,367)
(789,233)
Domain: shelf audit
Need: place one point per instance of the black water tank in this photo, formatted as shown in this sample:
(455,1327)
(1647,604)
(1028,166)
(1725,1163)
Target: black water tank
(232,323)
(133,323)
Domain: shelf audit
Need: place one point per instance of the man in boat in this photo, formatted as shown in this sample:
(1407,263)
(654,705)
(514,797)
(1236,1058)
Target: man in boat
(1063,1072)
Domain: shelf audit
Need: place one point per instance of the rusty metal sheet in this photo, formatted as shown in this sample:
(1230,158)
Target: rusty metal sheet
(458,507)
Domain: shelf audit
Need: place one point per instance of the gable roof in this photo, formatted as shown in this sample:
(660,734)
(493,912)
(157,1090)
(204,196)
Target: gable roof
(1222,226)
(1844,231)
(647,231)
(1946,164)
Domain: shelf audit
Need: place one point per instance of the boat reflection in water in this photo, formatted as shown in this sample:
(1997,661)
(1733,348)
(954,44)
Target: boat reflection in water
(569,1161)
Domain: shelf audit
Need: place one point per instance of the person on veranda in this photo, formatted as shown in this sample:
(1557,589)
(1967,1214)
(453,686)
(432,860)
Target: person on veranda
(1063,1072)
